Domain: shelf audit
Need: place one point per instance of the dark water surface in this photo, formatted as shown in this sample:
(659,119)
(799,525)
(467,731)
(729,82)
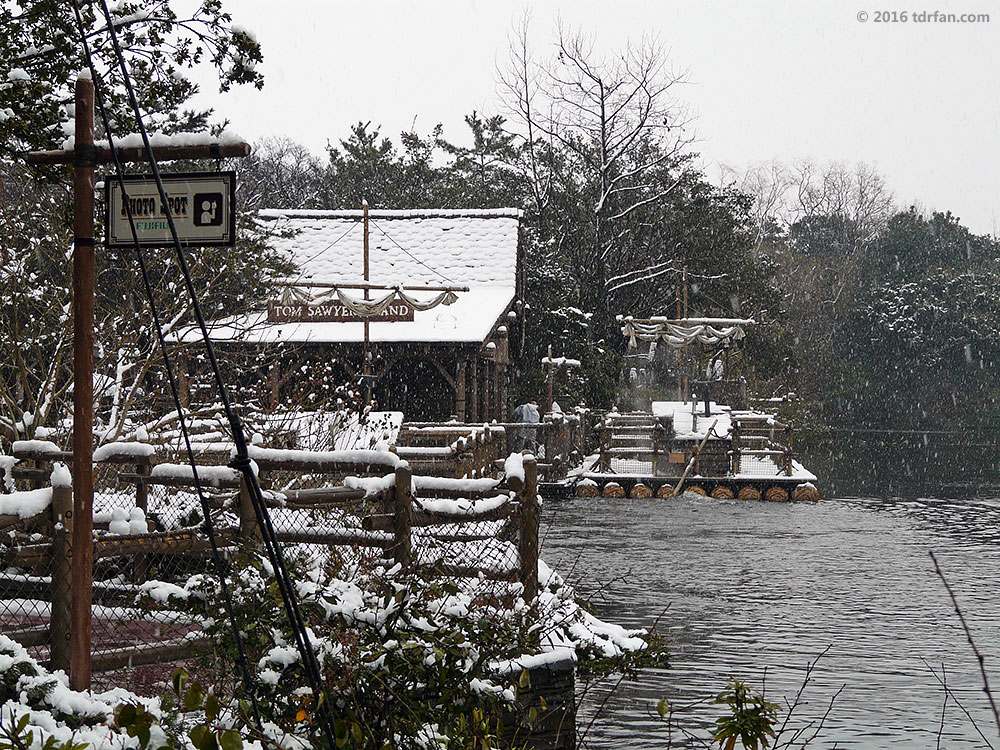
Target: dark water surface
(751,587)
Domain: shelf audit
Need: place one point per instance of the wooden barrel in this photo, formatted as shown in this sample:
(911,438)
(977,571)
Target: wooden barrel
(722,493)
(696,490)
(748,493)
(805,493)
(776,494)
(587,489)
(665,490)
(613,489)
(640,490)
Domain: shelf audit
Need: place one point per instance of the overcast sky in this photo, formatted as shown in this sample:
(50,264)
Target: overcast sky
(767,80)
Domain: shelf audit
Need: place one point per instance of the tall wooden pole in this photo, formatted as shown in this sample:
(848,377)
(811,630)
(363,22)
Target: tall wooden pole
(83,384)
(366,364)
(687,363)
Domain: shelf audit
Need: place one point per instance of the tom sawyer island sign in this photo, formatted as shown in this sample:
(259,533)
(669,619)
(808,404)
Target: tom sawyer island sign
(333,312)
(201,204)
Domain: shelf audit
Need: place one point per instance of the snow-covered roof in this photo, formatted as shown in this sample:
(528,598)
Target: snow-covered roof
(433,247)
(421,247)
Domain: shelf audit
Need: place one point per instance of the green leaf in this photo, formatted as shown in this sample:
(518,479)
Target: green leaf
(356,733)
(340,732)
(524,680)
(662,707)
(229,739)
(180,679)
(125,715)
(194,696)
(142,732)
(197,735)
(211,707)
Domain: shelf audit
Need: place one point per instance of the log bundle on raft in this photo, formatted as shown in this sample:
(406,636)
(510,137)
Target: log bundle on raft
(805,492)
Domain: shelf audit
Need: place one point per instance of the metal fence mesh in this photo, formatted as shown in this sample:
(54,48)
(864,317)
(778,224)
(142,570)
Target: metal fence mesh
(477,552)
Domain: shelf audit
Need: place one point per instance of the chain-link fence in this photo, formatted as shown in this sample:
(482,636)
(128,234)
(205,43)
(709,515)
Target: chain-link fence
(362,506)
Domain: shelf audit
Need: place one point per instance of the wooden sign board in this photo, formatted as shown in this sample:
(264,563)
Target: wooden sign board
(201,204)
(333,312)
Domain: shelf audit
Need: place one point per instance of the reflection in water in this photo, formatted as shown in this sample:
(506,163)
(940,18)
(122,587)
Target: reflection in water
(755,588)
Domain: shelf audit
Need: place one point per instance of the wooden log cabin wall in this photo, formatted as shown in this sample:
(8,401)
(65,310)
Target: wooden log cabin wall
(453,359)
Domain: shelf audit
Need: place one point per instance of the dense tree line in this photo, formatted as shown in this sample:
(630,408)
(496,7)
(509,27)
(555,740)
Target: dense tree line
(892,312)
(869,314)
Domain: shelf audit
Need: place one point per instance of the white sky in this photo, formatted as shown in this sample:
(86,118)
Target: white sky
(768,80)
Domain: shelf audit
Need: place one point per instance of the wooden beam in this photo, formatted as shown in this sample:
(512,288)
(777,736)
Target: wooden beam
(443,371)
(346,538)
(105,155)
(369,285)
(384,521)
(175,649)
(323,495)
(206,482)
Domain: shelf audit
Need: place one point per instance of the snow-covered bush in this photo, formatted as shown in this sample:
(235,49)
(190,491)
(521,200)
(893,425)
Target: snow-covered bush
(406,659)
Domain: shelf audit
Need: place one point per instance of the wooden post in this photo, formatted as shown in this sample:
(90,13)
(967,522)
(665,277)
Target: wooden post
(460,391)
(788,450)
(83,385)
(141,562)
(60,627)
(366,358)
(528,537)
(84,156)
(474,376)
(402,515)
(606,442)
(183,381)
(249,531)
(736,447)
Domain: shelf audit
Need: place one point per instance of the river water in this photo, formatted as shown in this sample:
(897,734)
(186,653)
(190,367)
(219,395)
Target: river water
(760,590)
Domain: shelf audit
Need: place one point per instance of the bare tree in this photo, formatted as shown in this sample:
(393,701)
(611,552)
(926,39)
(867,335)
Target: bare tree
(280,174)
(818,222)
(619,127)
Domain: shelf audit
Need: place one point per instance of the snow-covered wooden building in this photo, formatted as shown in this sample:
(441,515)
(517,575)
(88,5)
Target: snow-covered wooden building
(451,359)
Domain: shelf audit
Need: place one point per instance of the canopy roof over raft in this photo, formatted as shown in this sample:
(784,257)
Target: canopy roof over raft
(432,248)
(683,331)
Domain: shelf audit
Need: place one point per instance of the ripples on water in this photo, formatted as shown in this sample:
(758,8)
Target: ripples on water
(751,587)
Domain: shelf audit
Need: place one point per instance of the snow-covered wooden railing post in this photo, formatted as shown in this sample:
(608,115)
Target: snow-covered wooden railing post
(402,515)
(736,447)
(605,449)
(61,586)
(788,450)
(528,536)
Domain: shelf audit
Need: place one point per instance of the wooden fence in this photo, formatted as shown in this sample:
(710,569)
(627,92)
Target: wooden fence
(414,520)
(460,449)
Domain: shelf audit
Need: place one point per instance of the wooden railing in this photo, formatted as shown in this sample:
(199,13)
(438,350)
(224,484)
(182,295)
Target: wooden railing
(376,487)
(434,448)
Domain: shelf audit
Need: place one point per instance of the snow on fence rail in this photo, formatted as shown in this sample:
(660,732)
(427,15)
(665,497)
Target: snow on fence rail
(148,528)
(562,440)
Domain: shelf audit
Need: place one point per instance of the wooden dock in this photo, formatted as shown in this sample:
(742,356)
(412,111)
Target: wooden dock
(682,447)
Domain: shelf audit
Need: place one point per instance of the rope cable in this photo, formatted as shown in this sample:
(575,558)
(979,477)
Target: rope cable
(241,461)
(389,237)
